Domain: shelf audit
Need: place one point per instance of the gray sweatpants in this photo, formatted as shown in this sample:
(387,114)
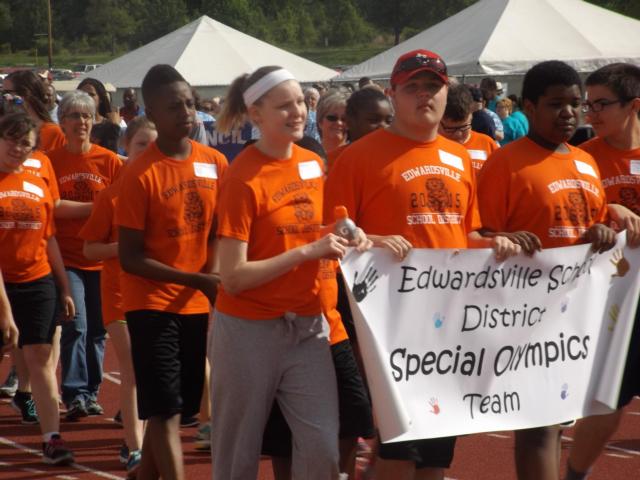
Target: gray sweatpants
(253,362)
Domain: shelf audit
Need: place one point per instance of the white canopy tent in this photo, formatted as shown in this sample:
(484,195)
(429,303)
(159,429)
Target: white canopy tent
(507,37)
(208,54)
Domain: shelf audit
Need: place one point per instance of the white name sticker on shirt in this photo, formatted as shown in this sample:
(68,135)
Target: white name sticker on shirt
(309,170)
(451,160)
(205,170)
(634,167)
(31,188)
(585,168)
(477,154)
(33,163)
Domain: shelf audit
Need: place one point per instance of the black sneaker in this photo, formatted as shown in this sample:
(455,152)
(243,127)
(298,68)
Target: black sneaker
(10,386)
(55,452)
(23,403)
(93,407)
(76,410)
(189,421)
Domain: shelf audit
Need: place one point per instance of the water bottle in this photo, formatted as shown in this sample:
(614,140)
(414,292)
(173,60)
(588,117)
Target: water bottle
(345,227)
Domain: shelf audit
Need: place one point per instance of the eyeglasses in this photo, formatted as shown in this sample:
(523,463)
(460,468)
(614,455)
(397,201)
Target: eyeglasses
(79,116)
(599,105)
(11,98)
(459,129)
(335,118)
(23,145)
(419,61)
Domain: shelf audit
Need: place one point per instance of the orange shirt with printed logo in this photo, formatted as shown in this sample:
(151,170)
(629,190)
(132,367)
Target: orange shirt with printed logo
(619,171)
(480,147)
(26,223)
(100,227)
(38,164)
(392,185)
(557,196)
(174,202)
(274,205)
(80,178)
(50,137)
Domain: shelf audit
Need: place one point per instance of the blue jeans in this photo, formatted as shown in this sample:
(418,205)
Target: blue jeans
(83,339)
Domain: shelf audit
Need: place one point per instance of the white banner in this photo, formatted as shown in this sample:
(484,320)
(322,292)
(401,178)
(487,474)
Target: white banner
(455,343)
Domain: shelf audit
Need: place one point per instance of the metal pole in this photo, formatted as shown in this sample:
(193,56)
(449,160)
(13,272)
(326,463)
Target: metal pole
(50,36)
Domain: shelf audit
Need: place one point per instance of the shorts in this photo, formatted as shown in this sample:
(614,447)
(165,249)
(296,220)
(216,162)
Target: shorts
(168,352)
(631,378)
(356,418)
(428,453)
(34,305)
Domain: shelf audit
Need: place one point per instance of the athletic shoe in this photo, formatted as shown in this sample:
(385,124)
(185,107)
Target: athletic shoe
(76,410)
(117,418)
(55,452)
(123,455)
(10,386)
(93,407)
(203,437)
(23,403)
(188,421)
(133,464)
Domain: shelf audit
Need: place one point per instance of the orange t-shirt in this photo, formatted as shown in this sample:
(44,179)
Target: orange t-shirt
(80,178)
(50,137)
(329,300)
(480,147)
(100,227)
(620,172)
(557,196)
(333,155)
(174,203)
(26,223)
(38,164)
(274,205)
(392,185)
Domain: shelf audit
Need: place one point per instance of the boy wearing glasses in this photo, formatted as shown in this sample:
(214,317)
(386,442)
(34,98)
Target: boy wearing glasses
(407,187)
(543,193)
(456,125)
(613,109)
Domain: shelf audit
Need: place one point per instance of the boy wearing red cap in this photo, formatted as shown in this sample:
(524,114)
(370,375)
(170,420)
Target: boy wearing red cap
(407,187)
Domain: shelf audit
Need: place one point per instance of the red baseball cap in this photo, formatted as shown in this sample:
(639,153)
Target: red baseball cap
(418,61)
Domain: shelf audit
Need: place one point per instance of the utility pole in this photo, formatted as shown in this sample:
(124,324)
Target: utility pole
(50,36)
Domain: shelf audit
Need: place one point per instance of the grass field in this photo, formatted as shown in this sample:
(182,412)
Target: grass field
(330,57)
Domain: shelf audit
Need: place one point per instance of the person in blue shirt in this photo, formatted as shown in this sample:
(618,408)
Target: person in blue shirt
(513,128)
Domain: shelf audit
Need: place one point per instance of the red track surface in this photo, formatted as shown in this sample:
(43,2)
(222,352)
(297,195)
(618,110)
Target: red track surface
(96,441)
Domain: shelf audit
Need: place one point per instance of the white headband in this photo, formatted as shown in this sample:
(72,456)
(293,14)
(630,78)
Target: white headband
(266,83)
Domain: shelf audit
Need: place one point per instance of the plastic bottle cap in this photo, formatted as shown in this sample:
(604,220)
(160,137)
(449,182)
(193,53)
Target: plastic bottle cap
(340,212)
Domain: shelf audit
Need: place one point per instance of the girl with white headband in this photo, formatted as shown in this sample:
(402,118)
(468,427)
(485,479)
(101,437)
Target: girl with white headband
(269,339)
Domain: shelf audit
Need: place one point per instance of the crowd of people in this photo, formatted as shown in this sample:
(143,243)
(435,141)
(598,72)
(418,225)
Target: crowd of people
(199,236)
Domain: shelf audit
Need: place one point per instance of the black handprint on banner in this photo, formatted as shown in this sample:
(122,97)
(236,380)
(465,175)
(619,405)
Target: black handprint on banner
(366,285)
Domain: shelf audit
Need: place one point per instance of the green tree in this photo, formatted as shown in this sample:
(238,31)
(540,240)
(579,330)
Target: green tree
(155,18)
(29,19)
(6,23)
(625,7)
(396,15)
(115,25)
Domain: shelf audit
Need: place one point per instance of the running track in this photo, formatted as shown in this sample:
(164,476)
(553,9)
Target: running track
(96,441)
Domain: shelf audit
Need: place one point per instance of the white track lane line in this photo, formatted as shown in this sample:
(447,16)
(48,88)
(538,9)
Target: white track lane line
(617,455)
(66,477)
(82,468)
(497,435)
(611,447)
(111,378)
